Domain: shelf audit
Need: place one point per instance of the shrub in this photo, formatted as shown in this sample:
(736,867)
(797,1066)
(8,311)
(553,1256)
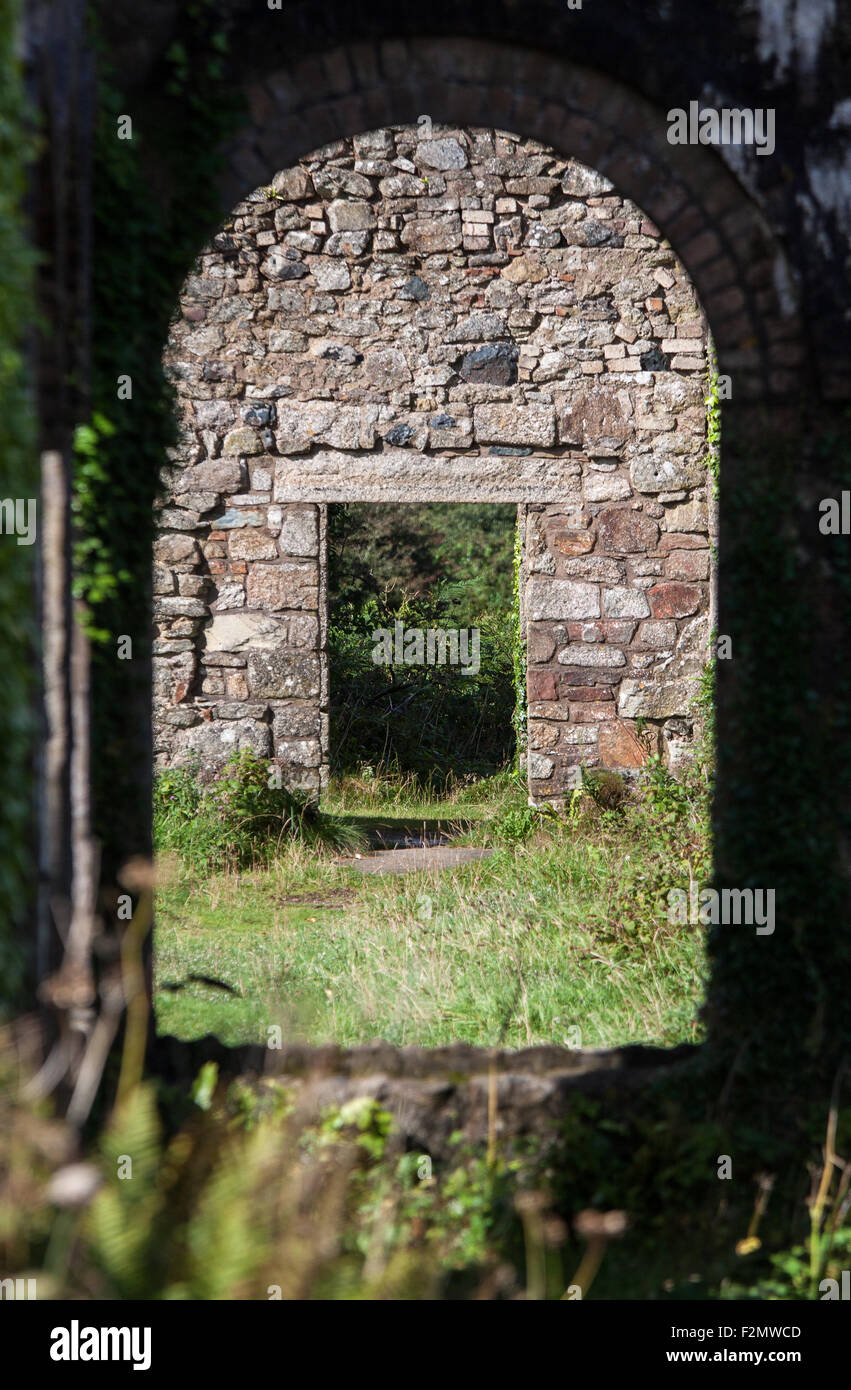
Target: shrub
(421,720)
(240,818)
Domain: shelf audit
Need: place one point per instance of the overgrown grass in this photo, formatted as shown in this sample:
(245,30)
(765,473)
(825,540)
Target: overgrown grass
(561,935)
(241,818)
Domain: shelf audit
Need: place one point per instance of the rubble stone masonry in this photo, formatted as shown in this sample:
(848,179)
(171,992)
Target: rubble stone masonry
(425,314)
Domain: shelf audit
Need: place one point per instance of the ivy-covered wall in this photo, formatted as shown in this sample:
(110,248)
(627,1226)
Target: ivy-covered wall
(20,480)
(148,227)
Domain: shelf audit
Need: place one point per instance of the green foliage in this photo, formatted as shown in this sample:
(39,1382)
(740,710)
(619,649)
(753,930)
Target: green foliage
(713,422)
(238,819)
(96,578)
(20,480)
(666,797)
(425,719)
(563,925)
(233,1197)
(144,243)
(790,1273)
(518,649)
(608,790)
(364,1116)
(515,824)
(431,566)
(405,551)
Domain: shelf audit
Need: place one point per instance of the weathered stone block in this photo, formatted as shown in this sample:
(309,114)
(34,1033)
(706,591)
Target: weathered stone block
(638,699)
(295,721)
(305,752)
(282,586)
(214,475)
(623,602)
(541,685)
(561,599)
(478,328)
(687,564)
(215,741)
(540,767)
(619,747)
(443,154)
(278,265)
(494,365)
(283,673)
(623,530)
(605,487)
(656,634)
(591,654)
(312,422)
(293,184)
(596,419)
(666,475)
(429,234)
(251,544)
(237,632)
(299,532)
(350,216)
(515,424)
(242,441)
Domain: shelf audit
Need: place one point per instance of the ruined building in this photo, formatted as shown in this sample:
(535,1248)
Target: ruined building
(437,314)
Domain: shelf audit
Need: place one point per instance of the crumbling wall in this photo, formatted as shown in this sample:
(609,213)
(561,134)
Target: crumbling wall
(424,314)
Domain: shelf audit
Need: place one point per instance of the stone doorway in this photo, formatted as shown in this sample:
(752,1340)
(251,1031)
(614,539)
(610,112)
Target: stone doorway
(465,317)
(425,653)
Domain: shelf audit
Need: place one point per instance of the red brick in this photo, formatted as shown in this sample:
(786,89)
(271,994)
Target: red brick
(541,685)
(673,600)
(591,713)
(589,692)
(573,542)
(683,540)
(618,746)
(623,530)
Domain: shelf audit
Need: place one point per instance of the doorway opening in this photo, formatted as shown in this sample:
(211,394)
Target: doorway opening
(423,641)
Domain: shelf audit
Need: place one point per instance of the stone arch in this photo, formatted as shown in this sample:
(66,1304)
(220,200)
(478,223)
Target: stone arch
(785,601)
(432,314)
(718,231)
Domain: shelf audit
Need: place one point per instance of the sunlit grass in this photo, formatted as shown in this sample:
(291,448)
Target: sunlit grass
(521,948)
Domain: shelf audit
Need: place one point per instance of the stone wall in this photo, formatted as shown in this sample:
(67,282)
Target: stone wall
(424,314)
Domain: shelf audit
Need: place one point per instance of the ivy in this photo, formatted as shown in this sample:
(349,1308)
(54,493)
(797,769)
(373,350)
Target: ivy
(518,648)
(713,421)
(145,242)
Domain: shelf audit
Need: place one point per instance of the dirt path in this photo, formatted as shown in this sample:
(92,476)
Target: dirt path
(406,861)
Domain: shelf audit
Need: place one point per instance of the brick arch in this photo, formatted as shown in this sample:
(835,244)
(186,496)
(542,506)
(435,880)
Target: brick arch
(717,231)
